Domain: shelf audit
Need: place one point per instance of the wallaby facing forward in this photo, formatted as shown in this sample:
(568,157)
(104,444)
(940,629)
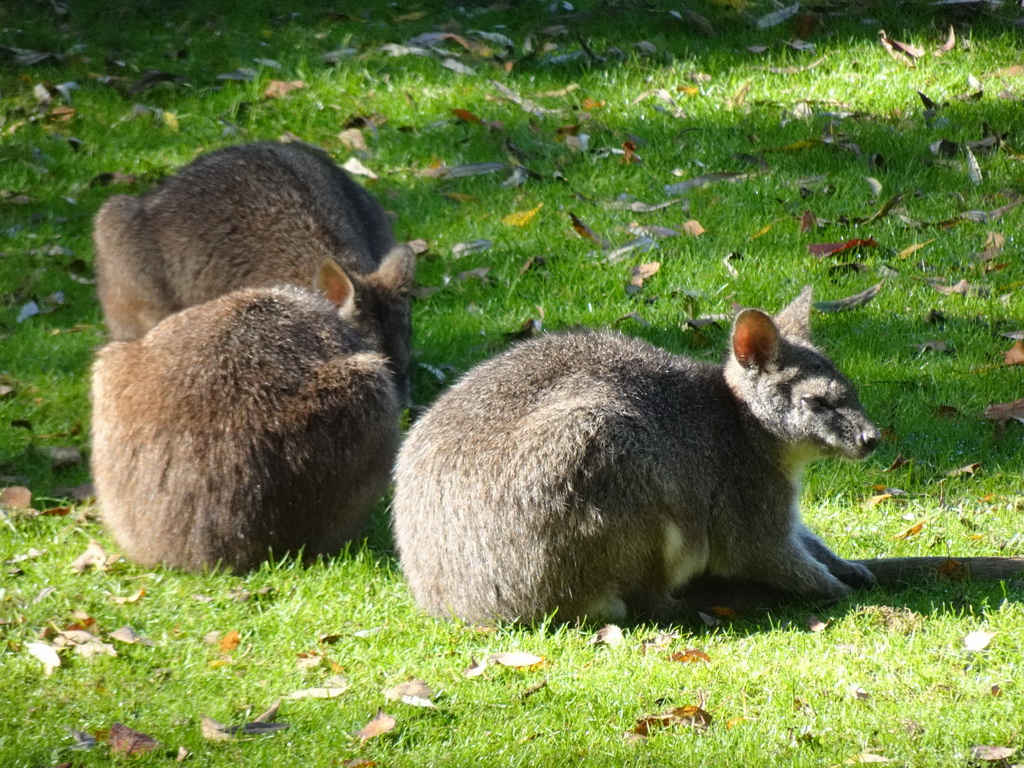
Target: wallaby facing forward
(253,215)
(595,475)
(260,420)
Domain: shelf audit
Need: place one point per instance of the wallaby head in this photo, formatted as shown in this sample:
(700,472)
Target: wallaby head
(792,389)
(252,215)
(382,300)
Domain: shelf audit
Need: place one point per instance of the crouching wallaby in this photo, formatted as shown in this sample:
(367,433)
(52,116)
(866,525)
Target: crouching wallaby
(595,475)
(261,420)
(253,215)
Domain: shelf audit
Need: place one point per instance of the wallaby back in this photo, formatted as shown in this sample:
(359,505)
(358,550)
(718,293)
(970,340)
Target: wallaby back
(594,475)
(253,215)
(258,421)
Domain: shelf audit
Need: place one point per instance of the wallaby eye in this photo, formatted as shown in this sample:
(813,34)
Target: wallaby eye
(814,402)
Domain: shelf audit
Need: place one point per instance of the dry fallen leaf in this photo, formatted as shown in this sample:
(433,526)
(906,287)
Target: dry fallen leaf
(642,272)
(133,598)
(587,233)
(414,692)
(978,640)
(695,717)
(1015,354)
(93,557)
(992,754)
(912,530)
(381,723)
(609,635)
(277,89)
(230,641)
(127,741)
(690,656)
(515,659)
(46,654)
(693,228)
(128,635)
(821,250)
(333,687)
(475,668)
(521,218)
(354,166)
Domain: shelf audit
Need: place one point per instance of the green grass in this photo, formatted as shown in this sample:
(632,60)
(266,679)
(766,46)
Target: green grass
(788,694)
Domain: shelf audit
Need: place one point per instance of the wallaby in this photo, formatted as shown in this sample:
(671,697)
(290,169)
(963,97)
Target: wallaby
(253,215)
(594,475)
(261,420)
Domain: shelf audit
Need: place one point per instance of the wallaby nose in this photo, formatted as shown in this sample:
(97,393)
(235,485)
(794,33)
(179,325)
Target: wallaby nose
(867,441)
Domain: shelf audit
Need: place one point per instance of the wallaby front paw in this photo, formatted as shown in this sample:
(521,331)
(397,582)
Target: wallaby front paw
(856,575)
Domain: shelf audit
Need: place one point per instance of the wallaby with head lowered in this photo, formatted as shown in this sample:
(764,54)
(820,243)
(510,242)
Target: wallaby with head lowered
(253,215)
(592,474)
(260,421)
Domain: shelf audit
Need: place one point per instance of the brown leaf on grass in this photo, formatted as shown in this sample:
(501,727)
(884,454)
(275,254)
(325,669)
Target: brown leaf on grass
(990,754)
(850,302)
(587,233)
(213,730)
(691,716)
(353,139)
(642,272)
(132,598)
(808,222)
(690,656)
(516,659)
(277,89)
(947,46)
(1001,413)
(230,641)
(475,668)
(912,531)
(416,693)
(1015,354)
(127,741)
(905,53)
(466,116)
(911,249)
(15,497)
(128,635)
(932,346)
(966,469)
(821,250)
(333,687)
(609,635)
(630,157)
(381,723)
(693,228)
(899,461)
(95,556)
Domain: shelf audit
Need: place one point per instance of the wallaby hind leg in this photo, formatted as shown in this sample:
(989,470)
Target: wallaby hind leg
(131,288)
(854,574)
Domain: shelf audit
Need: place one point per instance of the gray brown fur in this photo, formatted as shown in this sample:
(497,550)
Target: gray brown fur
(261,420)
(253,215)
(593,474)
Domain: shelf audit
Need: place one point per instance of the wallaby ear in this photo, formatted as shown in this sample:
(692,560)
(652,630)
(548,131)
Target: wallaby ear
(755,339)
(334,284)
(795,320)
(396,270)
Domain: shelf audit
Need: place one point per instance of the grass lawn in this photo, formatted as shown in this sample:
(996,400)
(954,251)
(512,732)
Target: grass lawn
(732,147)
